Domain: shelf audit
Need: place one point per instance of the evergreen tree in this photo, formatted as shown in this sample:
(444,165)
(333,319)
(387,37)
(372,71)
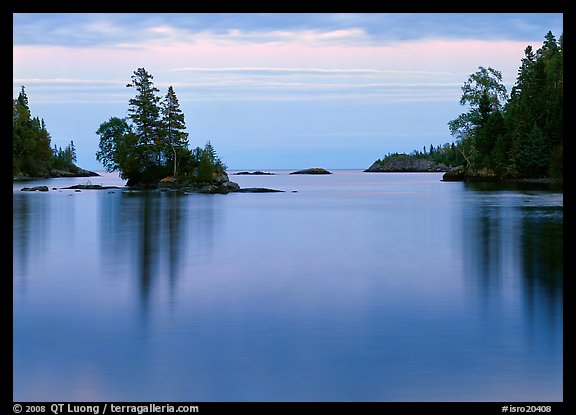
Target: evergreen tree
(173,125)
(532,158)
(534,114)
(32,151)
(22,140)
(208,162)
(31,141)
(144,112)
(72,149)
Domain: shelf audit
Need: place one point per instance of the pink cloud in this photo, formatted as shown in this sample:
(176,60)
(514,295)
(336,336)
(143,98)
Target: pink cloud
(415,61)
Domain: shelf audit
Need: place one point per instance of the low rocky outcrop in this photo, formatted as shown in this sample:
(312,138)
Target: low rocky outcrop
(219,185)
(253,173)
(456,174)
(77,173)
(221,188)
(35,189)
(90,187)
(54,173)
(406,164)
(313,170)
(257,190)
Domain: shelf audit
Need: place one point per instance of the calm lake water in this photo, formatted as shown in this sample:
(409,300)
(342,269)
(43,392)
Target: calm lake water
(348,287)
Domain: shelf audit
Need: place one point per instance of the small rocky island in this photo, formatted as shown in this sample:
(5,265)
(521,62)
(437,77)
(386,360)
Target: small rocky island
(313,170)
(220,184)
(400,163)
(253,173)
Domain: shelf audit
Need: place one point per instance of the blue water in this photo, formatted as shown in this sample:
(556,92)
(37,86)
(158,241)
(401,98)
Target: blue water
(348,287)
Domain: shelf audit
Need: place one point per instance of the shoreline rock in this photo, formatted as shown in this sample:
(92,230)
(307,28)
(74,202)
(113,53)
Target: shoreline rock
(90,187)
(456,174)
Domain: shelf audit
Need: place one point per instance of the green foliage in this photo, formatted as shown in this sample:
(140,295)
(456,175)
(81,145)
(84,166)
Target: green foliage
(446,154)
(172,127)
(523,136)
(556,161)
(484,93)
(32,152)
(151,143)
(144,113)
(532,159)
(484,87)
(118,147)
(64,159)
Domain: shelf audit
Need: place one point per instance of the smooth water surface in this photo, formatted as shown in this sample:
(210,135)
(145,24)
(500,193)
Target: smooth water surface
(348,287)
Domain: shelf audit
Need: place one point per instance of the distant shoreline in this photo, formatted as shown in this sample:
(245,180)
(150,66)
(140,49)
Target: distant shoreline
(58,174)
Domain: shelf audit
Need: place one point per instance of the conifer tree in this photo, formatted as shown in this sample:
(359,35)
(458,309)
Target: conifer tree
(144,112)
(173,125)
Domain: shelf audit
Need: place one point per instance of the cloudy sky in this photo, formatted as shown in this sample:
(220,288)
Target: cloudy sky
(270,91)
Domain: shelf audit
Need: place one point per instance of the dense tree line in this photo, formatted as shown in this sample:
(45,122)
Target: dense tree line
(446,154)
(32,154)
(518,135)
(151,143)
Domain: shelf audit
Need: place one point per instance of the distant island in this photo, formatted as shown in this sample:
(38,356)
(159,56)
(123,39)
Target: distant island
(313,170)
(253,173)
(401,163)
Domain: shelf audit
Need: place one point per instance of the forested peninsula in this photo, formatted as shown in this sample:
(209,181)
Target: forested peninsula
(32,153)
(515,136)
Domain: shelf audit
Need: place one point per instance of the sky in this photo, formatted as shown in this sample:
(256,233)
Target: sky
(270,90)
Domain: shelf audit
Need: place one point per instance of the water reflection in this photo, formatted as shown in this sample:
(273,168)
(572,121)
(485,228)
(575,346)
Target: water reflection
(320,295)
(542,259)
(154,233)
(513,248)
(21,234)
(486,246)
(31,227)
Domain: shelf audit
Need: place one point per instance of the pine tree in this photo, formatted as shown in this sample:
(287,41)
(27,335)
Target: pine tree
(144,112)
(173,125)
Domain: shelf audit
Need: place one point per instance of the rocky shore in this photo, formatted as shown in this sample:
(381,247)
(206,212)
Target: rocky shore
(219,185)
(461,174)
